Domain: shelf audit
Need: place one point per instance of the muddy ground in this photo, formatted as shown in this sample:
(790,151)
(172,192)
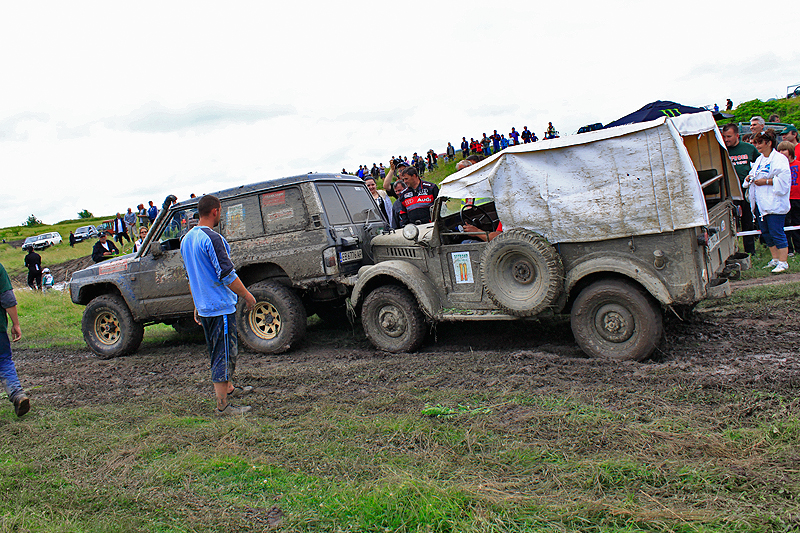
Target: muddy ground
(726,348)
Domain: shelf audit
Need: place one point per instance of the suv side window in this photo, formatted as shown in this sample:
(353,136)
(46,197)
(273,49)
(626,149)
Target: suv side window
(179,224)
(360,203)
(283,211)
(241,219)
(334,208)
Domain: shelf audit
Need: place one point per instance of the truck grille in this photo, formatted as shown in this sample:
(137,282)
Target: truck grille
(412,253)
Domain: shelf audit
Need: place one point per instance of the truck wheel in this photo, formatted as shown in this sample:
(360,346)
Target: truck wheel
(278,321)
(614,319)
(109,328)
(521,272)
(392,319)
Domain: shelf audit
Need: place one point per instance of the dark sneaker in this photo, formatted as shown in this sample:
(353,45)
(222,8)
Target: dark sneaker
(233,410)
(240,392)
(21,404)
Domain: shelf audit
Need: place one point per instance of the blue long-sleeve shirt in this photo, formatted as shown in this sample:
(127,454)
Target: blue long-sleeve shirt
(206,256)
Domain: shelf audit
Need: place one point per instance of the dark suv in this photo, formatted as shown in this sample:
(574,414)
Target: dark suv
(297,244)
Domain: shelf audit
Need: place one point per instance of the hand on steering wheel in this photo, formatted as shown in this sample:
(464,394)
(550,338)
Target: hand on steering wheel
(476,220)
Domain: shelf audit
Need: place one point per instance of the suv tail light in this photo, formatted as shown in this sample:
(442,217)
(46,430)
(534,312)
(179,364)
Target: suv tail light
(329,261)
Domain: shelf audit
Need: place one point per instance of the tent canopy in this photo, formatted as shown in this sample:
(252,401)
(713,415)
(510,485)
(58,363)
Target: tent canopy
(654,111)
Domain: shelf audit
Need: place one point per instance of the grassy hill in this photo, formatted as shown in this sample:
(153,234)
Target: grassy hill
(12,256)
(788,109)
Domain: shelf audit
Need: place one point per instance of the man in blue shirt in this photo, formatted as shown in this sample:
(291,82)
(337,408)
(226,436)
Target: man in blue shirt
(215,286)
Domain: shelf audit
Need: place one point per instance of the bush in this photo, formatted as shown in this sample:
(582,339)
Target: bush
(85,214)
(33,221)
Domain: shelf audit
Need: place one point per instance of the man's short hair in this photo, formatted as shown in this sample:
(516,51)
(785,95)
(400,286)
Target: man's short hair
(758,119)
(207,204)
(786,145)
(733,127)
(410,171)
(475,158)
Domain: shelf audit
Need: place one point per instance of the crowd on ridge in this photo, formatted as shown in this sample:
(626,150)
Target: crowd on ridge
(484,146)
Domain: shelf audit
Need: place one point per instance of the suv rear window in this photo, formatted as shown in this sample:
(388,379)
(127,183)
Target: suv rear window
(283,211)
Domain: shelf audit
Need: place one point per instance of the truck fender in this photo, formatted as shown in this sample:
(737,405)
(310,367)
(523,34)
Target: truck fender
(398,273)
(638,271)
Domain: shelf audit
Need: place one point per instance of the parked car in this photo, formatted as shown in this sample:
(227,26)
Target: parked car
(297,244)
(84,233)
(47,239)
(28,244)
(612,227)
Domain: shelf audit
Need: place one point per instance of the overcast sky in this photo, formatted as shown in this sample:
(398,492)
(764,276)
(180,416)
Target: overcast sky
(106,105)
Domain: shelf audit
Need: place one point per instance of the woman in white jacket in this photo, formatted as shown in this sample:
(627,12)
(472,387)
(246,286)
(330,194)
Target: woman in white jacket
(769,181)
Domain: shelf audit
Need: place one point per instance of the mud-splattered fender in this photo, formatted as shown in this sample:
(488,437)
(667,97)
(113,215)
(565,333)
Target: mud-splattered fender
(397,273)
(624,265)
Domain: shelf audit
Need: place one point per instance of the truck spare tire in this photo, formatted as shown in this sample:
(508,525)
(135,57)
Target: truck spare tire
(521,272)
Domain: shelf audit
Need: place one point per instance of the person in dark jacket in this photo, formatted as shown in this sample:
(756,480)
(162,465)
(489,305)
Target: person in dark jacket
(34,263)
(103,249)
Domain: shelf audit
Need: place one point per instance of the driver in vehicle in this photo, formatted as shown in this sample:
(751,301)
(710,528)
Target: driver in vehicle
(469,204)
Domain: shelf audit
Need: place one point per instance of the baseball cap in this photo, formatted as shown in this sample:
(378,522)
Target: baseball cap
(789,128)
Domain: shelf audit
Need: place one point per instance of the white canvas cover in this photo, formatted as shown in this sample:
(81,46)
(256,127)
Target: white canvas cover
(629,180)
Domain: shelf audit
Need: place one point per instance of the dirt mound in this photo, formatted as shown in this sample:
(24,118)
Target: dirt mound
(61,272)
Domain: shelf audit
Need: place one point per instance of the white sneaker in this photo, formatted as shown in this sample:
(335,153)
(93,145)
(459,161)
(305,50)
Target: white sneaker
(782,267)
(772,264)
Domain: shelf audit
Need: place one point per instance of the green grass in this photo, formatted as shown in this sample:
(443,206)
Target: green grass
(136,466)
(51,320)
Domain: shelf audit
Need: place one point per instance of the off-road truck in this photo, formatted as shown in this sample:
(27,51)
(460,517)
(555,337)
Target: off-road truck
(614,227)
(297,244)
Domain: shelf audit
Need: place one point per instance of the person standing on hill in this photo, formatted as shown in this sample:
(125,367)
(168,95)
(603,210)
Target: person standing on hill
(8,371)
(742,156)
(33,262)
(215,285)
(152,212)
(121,229)
(130,222)
(464,147)
(451,152)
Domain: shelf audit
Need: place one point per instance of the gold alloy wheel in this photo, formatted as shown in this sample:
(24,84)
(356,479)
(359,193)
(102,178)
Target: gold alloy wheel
(265,320)
(106,327)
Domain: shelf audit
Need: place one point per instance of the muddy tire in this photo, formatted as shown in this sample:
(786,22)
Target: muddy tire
(615,319)
(392,319)
(109,328)
(278,321)
(522,273)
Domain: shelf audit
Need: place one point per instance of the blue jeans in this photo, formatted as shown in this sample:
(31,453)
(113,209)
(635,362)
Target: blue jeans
(222,344)
(8,372)
(772,231)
